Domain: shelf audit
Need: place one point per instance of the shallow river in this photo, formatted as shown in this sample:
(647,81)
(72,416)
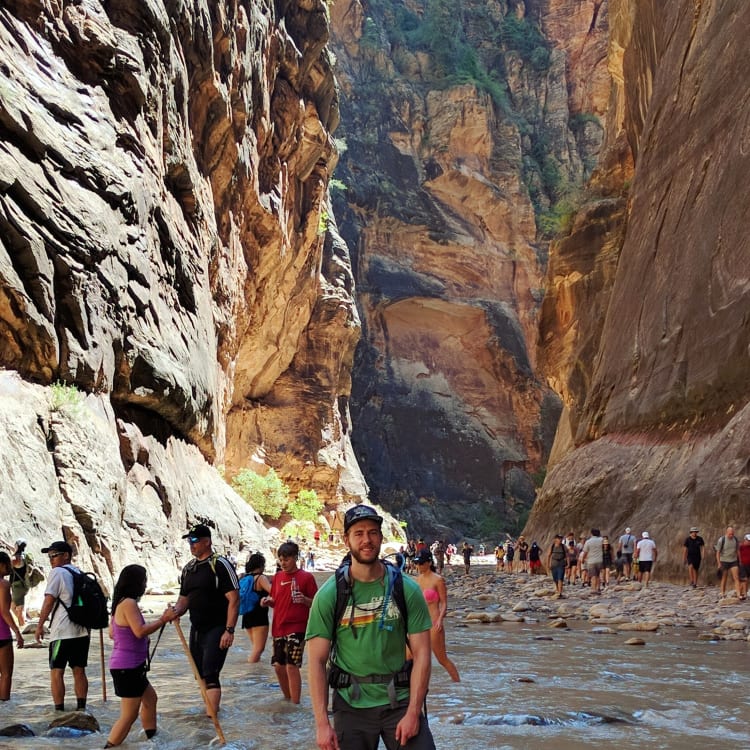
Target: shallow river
(588,691)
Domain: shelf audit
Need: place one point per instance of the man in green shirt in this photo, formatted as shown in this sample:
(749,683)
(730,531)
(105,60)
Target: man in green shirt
(370,644)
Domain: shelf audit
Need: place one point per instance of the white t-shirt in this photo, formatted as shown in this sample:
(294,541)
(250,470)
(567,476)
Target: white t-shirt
(646,549)
(60,585)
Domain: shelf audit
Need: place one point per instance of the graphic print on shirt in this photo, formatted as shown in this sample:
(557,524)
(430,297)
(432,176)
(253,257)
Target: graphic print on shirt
(366,613)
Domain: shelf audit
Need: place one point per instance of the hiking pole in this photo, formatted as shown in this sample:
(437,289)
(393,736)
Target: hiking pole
(153,650)
(101,659)
(201,683)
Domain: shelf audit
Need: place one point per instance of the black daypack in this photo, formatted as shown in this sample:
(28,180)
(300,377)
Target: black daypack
(88,607)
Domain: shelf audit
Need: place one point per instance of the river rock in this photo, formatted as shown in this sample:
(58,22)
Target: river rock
(521,606)
(733,624)
(541,593)
(79,721)
(635,642)
(509,617)
(17,730)
(648,627)
(601,630)
(599,610)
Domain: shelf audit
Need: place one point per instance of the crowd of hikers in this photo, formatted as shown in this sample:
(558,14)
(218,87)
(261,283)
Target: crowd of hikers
(369,631)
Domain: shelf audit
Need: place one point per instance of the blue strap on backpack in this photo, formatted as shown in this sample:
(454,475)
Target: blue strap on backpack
(249,597)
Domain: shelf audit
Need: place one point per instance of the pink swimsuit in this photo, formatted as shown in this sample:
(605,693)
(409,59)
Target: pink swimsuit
(431,595)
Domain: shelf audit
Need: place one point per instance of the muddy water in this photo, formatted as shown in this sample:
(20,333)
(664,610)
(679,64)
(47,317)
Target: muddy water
(577,690)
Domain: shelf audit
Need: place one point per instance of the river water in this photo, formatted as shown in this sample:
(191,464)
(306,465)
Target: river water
(577,690)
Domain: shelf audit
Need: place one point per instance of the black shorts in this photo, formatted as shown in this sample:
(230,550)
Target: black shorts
(6,642)
(71,652)
(694,562)
(208,655)
(257,618)
(644,566)
(130,683)
(288,649)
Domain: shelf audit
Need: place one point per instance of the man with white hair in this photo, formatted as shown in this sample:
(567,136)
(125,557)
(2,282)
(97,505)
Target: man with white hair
(647,553)
(626,548)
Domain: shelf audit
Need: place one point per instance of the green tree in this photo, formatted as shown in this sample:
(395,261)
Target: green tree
(305,507)
(267,494)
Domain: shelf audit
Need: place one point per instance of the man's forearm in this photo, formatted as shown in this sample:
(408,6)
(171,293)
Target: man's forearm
(420,673)
(233,612)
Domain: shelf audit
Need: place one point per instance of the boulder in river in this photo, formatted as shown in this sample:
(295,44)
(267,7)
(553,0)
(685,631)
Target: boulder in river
(17,730)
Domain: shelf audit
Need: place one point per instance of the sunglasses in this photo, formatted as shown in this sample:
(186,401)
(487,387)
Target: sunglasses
(54,555)
(193,539)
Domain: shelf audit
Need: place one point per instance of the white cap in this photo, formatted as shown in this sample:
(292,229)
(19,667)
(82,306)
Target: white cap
(627,531)
(747,536)
(645,534)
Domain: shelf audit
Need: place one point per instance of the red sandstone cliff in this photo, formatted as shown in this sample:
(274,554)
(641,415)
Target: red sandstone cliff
(645,328)
(466,130)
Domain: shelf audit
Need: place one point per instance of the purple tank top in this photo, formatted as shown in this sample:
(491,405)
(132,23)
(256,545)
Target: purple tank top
(129,651)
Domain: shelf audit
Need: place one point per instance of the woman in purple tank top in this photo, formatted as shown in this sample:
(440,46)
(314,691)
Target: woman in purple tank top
(128,663)
(7,624)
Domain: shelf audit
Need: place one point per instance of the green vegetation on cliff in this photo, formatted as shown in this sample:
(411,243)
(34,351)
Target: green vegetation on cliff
(270,497)
(470,42)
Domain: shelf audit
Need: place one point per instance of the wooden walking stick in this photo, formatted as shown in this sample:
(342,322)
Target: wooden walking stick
(201,682)
(101,659)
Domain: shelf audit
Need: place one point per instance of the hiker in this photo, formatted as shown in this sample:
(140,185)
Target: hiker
(7,624)
(375,693)
(467,551)
(129,661)
(292,593)
(556,564)
(254,585)
(436,595)
(727,560)
(69,643)
(209,590)
(593,556)
(20,580)
(523,554)
(647,553)
(692,554)
(626,547)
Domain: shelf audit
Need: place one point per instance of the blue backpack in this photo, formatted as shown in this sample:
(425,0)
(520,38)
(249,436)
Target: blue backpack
(249,597)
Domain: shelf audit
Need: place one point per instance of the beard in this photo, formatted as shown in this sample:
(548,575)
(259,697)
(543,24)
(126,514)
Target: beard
(366,556)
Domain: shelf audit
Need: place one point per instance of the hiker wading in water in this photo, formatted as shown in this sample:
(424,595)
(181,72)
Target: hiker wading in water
(375,693)
(129,662)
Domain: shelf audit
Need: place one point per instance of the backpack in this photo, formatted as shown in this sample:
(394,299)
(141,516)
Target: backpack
(337,677)
(88,607)
(249,597)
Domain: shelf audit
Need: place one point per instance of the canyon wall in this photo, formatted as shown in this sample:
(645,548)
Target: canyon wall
(465,135)
(645,329)
(166,250)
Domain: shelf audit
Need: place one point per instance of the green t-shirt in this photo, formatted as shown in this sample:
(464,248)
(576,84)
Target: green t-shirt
(380,645)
